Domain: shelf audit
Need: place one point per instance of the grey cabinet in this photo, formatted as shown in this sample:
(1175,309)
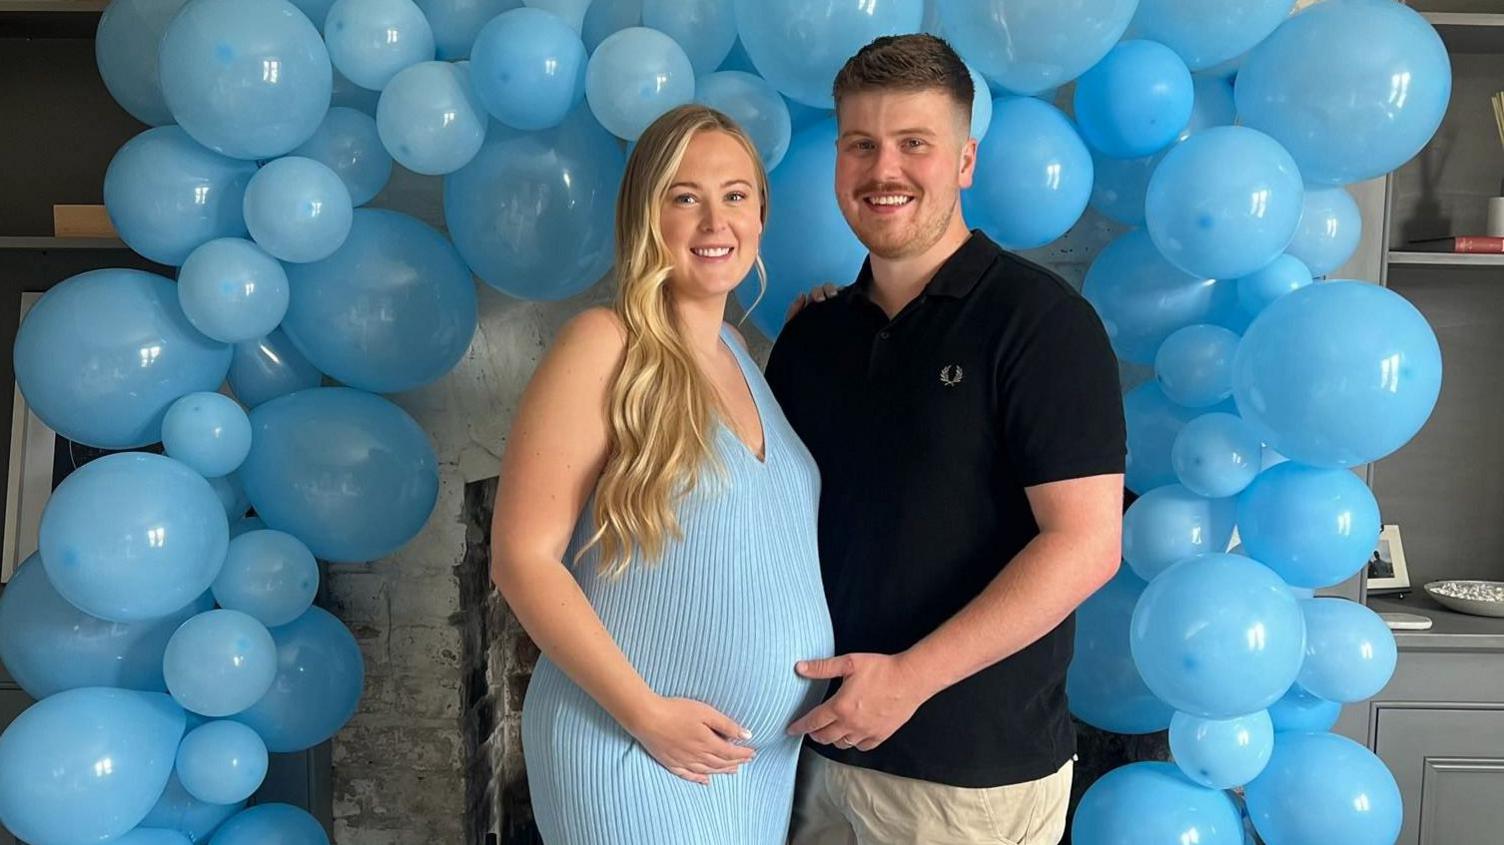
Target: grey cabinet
(1450,767)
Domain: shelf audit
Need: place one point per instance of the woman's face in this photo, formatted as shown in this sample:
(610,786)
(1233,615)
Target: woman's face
(711,219)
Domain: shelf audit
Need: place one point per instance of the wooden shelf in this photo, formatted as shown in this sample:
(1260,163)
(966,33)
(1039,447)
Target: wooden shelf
(41,243)
(1469,32)
(1446,259)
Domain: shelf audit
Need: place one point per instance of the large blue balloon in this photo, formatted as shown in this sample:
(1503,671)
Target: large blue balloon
(179,811)
(1222,753)
(1350,652)
(1322,788)
(269,575)
(232,291)
(219,663)
(270,367)
(222,762)
(391,310)
(1170,524)
(607,17)
(1216,455)
(207,431)
(634,77)
(528,69)
(125,48)
(1329,230)
(533,214)
(320,677)
(87,764)
(133,536)
(755,106)
(48,645)
(249,80)
(1033,174)
(1029,46)
(799,45)
(1153,804)
(348,473)
(166,195)
(1315,527)
(349,143)
(430,119)
(1134,102)
(705,28)
(272,824)
(1283,275)
(1224,202)
(297,209)
(455,23)
(1338,374)
(1103,684)
(1153,424)
(1194,365)
(1207,34)
(1218,636)
(807,242)
(1386,80)
(1298,710)
(371,40)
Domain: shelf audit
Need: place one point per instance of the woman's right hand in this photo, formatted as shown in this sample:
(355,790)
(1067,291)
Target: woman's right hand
(691,739)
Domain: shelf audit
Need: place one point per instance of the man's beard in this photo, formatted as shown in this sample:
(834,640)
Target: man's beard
(893,244)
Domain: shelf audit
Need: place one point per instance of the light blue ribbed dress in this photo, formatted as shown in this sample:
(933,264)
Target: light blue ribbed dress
(721,618)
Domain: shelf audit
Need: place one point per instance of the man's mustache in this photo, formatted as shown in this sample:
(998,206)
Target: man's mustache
(887,188)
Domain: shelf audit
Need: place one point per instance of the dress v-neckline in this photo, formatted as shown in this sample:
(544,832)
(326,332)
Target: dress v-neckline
(722,416)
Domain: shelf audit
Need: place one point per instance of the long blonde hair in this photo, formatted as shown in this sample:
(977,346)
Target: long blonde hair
(660,410)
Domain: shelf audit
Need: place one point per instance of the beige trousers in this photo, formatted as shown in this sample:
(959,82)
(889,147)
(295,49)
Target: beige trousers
(836,804)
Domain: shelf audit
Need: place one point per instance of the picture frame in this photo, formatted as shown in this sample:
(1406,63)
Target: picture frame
(1387,570)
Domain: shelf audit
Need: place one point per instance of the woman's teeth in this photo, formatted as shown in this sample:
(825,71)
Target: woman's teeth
(714,252)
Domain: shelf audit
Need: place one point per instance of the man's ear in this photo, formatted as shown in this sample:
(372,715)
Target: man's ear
(968,163)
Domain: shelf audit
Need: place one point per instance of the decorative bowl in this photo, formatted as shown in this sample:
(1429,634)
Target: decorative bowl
(1480,598)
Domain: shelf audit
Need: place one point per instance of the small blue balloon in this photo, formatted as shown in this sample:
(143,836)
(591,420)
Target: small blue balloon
(1154,803)
(319,681)
(371,40)
(981,105)
(430,119)
(231,290)
(269,575)
(222,762)
(528,68)
(1170,524)
(1153,424)
(455,23)
(179,811)
(348,143)
(1120,185)
(1224,202)
(800,46)
(87,764)
(1329,230)
(245,524)
(571,12)
(1214,105)
(125,48)
(1030,46)
(1256,290)
(232,495)
(166,195)
(706,29)
(1103,685)
(207,431)
(608,17)
(1338,374)
(755,106)
(1350,652)
(1320,787)
(347,94)
(297,209)
(1034,174)
(1134,102)
(272,824)
(634,77)
(1222,753)
(133,536)
(1315,527)
(249,80)
(315,10)
(270,367)
(1194,365)
(219,663)
(1208,34)
(152,836)
(1298,710)
(1216,455)
(348,473)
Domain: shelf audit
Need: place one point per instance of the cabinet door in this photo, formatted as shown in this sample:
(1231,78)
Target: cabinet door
(1450,767)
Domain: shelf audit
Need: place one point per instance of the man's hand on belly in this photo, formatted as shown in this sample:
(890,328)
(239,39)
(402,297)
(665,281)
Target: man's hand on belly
(878,695)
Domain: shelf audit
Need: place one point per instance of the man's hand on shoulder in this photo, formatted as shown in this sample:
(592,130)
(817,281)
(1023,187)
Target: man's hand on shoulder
(817,294)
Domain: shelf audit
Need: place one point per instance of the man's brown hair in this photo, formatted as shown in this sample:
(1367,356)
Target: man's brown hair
(917,62)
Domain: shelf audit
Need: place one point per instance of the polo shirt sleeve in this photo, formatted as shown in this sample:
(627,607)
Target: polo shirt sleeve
(1061,405)
(779,372)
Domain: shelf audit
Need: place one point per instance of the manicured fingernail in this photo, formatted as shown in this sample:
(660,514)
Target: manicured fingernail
(746,734)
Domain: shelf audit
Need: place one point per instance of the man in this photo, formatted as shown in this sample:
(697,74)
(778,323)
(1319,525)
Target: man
(963,406)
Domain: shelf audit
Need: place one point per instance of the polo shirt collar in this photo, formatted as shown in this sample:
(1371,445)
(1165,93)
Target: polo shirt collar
(956,277)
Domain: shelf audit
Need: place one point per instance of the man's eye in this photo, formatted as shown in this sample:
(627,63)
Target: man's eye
(914,143)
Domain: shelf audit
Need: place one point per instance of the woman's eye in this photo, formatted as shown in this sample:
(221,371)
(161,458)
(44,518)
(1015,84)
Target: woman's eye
(685,199)
(736,196)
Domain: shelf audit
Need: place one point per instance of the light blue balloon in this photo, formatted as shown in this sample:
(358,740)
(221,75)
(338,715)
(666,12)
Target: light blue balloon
(319,681)
(706,29)
(1224,202)
(807,242)
(607,17)
(348,143)
(231,290)
(1170,524)
(245,524)
(207,431)
(218,664)
(1153,424)
(1218,636)
(215,57)
(348,473)
(391,310)
(1207,34)
(270,367)
(1216,455)
(297,209)
(1338,374)
(166,195)
(87,764)
(1283,275)
(1222,753)
(371,40)
(1119,186)
(317,11)
(1298,710)
(1315,527)
(1320,787)
(455,23)
(48,645)
(1143,299)
(179,811)
(1153,803)
(1329,230)
(981,104)
(571,12)
(533,214)
(1134,102)
(1213,105)
(634,77)
(152,836)
(1029,46)
(528,68)
(430,119)
(1194,365)
(1350,652)
(755,106)
(272,824)
(269,575)
(1033,174)
(799,46)
(1386,80)
(102,355)
(125,48)
(1103,685)
(133,536)
(348,95)
(231,495)
(222,762)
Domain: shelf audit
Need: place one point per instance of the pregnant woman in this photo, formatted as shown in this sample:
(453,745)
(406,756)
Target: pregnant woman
(655,529)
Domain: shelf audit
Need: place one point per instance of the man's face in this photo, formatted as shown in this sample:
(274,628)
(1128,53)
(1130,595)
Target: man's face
(902,159)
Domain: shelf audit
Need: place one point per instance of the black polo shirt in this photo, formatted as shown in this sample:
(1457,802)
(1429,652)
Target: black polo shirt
(927,428)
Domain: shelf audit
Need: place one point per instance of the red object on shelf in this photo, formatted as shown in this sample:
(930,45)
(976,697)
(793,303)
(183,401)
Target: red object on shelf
(1465,243)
